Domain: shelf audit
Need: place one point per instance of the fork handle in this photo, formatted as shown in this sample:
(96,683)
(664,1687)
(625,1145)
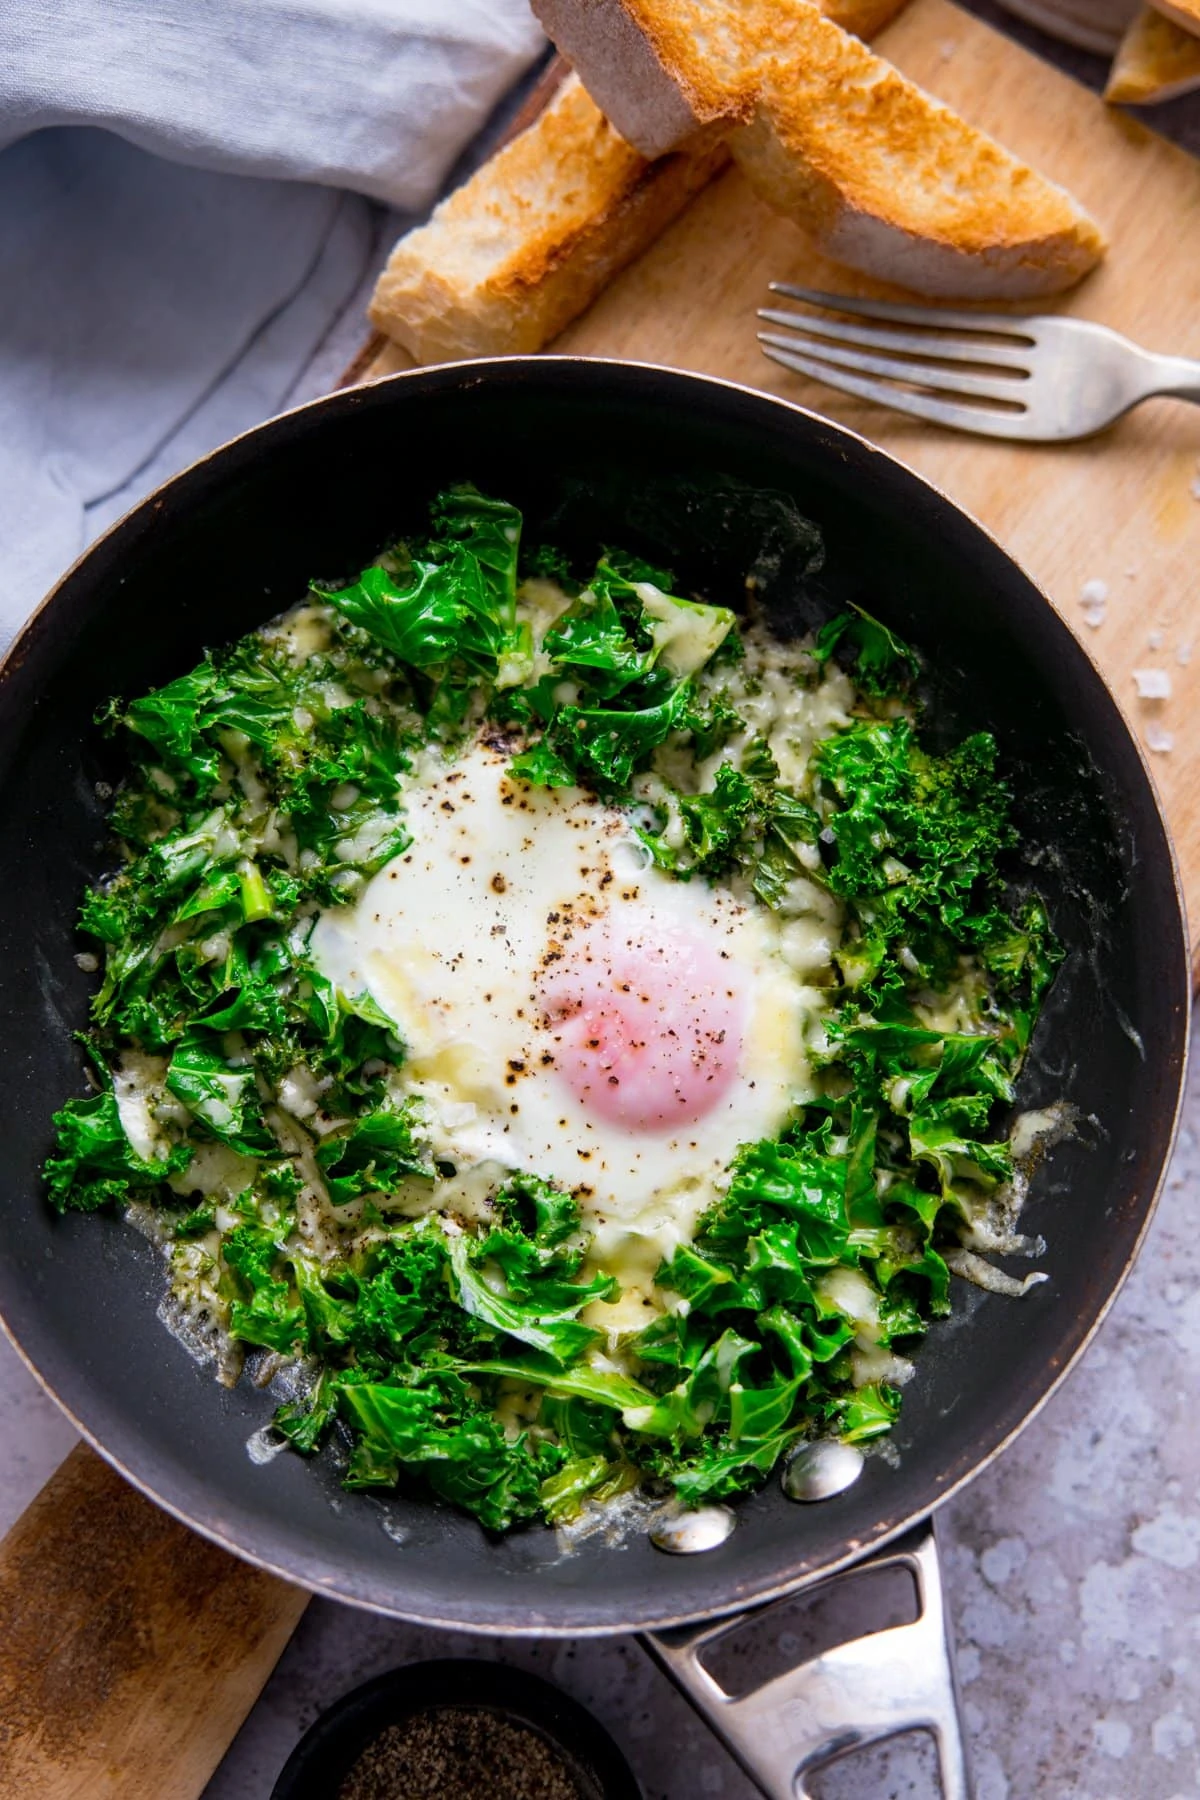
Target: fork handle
(1177,376)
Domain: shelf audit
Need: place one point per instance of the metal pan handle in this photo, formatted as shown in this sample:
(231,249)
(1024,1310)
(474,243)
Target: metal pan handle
(899,1679)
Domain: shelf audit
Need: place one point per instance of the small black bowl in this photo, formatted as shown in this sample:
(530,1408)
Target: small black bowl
(332,1746)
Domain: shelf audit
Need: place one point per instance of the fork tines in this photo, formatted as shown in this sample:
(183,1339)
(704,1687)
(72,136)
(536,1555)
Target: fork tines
(905,368)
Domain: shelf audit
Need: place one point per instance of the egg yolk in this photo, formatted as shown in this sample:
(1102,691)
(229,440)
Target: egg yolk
(647,1025)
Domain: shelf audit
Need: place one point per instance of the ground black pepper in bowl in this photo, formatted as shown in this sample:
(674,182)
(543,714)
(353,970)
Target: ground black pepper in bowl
(456,1729)
(459,1753)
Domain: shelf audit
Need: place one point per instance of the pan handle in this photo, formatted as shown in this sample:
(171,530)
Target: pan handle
(900,1679)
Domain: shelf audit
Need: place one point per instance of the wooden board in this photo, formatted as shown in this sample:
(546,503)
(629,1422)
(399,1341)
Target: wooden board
(132,1649)
(1119,508)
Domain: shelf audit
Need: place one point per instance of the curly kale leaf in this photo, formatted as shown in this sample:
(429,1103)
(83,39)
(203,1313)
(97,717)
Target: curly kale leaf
(546,1318)
(427,621)
(629,648)
(378,1152)
(95,1165)
(914,845)
(460,1449)
(221,1096)
(713,826)
(802,1184)
(542,766)
(263,1310)
(603,745)
(883,665)
(591,642)
(304,1422)
(455,612)
(172,720)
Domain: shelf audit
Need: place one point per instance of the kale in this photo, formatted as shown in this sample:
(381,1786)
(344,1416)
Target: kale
(618,646)
(915,844)
(305,1422)
(263,1310)
(266,786)
(95,1164)
(590,642)
(542,766)
(882,664)
(603,745)
(377,1152)
(452,617)
(545,1318)
(220,1096)
(461,1450)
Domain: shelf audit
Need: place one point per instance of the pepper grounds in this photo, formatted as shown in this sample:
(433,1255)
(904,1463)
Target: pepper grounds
(459,1753)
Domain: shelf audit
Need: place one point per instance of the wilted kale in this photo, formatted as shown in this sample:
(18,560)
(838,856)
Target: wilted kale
(267,785)
(94,1162)
(626,646)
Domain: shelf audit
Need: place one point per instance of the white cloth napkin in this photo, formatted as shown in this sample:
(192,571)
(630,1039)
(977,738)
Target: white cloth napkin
(151,308)
(374,95)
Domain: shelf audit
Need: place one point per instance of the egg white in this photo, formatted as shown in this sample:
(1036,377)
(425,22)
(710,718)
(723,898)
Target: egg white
(451,939)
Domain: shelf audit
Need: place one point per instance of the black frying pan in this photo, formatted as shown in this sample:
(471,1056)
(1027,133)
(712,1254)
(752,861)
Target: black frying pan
(629,453)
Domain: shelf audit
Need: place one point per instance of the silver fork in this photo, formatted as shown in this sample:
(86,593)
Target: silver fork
(1044,379)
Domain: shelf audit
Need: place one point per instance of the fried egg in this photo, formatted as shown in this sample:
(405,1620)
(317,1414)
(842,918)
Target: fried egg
(569,1009)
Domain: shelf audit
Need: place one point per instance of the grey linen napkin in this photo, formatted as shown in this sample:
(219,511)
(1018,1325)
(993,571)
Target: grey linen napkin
(150,308)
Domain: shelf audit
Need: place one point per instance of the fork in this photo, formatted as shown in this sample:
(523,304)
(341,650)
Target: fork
(1044,379)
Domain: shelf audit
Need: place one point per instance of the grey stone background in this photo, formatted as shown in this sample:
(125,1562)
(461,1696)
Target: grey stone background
(1073,1565)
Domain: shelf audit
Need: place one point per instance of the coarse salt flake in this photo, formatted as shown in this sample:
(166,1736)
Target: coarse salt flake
(1183,655)
(1152,684)
(1155,640)
(1159,739)
(1093,598)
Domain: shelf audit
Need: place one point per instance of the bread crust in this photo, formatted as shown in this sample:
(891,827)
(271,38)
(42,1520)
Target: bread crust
(521,249)
(1157,60)
(671,71)
(885,178)
(1184,13)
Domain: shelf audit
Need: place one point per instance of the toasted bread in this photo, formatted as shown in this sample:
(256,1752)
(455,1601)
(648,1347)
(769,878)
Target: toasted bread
(525,245)
(1157,60)
(1184,13)
(884,178)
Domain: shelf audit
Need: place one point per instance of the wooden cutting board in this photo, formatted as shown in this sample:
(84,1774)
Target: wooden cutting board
(1123,508)
(136,1650)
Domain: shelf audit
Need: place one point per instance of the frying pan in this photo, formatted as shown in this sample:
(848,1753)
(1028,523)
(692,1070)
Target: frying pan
(712,479)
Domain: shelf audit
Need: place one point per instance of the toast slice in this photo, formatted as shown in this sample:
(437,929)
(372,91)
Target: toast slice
(1157,60)
(885,179)
(1184,13)
(513,255)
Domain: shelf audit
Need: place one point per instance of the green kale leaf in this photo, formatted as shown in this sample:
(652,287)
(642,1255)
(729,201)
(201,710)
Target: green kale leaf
(95,1164)
(375,1155)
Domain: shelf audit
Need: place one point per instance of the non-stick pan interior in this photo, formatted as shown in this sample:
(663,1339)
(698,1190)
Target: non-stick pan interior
(662,462)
